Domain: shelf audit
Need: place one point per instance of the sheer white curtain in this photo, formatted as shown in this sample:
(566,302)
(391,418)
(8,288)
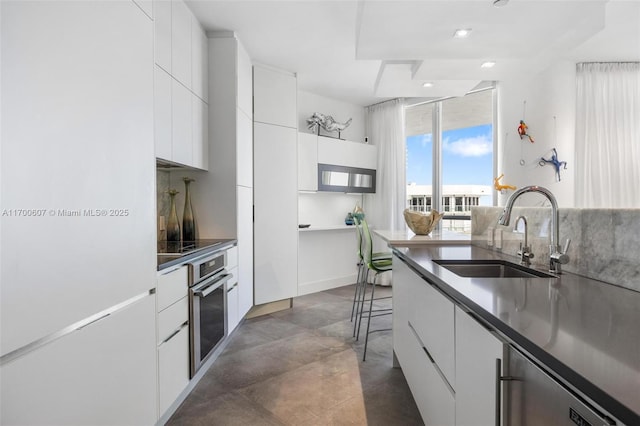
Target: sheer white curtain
(608,135)
(385,129)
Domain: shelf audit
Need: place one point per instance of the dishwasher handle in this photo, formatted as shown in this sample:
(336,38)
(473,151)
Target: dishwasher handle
(209,286)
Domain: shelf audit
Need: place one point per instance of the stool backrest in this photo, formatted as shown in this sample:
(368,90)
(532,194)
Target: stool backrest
(367,251)
(358,225)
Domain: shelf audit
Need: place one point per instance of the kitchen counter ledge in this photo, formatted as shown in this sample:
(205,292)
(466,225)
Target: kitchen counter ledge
(586,332)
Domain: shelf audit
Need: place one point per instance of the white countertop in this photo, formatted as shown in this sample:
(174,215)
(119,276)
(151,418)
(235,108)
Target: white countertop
(406,238)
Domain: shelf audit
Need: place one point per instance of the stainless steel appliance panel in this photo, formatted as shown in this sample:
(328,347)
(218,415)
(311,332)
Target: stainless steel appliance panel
(534,398)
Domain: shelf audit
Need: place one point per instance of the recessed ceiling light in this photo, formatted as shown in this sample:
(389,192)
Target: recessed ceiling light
(462,33)
(427,85)
(488,64)
(500,3)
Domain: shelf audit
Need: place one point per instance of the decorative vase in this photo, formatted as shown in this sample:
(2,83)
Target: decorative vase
(173,227)
(188,221)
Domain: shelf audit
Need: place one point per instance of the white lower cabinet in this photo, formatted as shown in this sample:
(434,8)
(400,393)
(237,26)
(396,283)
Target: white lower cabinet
(173,336)
(434,396)
(101,374)
(477,350)
(173,367)
(233,312)
(447,356)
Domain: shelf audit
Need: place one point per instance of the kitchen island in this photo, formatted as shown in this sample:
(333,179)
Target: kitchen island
(406,238)
(582,332)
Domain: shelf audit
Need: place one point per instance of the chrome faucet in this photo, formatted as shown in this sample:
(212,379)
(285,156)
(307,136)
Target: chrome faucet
(524,253)
(556,257)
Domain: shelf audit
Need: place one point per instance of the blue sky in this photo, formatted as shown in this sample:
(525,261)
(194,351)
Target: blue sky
(467,156)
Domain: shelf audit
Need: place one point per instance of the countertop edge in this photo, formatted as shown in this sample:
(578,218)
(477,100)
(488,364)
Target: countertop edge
(569,376)
(189,257)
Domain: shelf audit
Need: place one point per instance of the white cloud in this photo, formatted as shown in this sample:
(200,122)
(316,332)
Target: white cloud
(426,139)
(469,147)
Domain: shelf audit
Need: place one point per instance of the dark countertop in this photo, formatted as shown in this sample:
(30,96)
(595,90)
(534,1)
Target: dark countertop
(585,331)
(173,254)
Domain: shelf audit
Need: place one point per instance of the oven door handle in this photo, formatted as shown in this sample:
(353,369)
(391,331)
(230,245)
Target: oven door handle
(206,288)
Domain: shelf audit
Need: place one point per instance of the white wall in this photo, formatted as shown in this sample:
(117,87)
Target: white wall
(341,111)
(548,94)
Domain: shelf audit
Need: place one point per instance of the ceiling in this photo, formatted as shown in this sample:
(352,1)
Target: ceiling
(366,51)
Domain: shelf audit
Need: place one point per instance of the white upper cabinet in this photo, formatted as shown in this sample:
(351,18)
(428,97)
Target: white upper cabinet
(181,42)
(162,113)
(181,49)
(346,153)
(307,162)
(200,132)
(162,33)
(182,147)
(275,97)
(199,62)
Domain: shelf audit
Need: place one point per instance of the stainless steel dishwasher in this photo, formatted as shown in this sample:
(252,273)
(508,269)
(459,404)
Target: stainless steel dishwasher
(534,398)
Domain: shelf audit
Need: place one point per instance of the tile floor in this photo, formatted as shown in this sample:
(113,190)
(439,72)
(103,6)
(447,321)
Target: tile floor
(303,367)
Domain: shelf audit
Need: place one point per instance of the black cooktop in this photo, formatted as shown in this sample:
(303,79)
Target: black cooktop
(172,253)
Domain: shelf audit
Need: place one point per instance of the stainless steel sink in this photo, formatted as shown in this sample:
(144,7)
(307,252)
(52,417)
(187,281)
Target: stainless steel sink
(490,269)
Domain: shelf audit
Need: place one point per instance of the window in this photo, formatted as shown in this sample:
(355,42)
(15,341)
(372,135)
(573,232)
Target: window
(450,156)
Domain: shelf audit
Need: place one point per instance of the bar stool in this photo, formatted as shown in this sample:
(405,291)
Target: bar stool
(377,266)
(361,280)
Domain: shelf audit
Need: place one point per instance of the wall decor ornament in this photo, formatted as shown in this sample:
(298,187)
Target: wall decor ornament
(500,187)
(327,122)
(556,163)
(173,227)
(188,220)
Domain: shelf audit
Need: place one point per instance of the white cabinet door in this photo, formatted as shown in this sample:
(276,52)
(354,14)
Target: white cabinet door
(182,145)
(162,33)
(233,315)
(433,317)
(162,113)
(102,374)
(181,42)
(245,250)
(75,138)
(276,213)
(244,149)
(274,97)
(199,130)
(307,162)
(401,288)
(172,286)
(199,60)
(173,367)
(476,352)
(245,80)
(146,6)
(346,153)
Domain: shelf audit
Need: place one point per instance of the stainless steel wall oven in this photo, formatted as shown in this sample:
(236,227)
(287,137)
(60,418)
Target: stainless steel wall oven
(207,306)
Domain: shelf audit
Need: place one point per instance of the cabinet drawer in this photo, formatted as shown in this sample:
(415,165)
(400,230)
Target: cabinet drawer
(232,257)
(433,318)
(172,287)
(173,368)
(433,397)
(170,319)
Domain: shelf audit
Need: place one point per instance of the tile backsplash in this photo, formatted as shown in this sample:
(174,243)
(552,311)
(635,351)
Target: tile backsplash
(605,243)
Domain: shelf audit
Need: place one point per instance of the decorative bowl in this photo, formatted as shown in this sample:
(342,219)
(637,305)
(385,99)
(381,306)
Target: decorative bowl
(421,223)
